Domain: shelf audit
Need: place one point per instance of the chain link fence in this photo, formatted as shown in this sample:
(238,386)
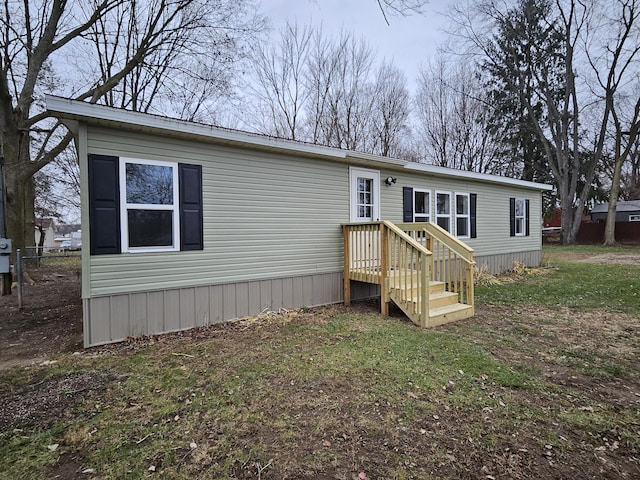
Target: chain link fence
(36,265)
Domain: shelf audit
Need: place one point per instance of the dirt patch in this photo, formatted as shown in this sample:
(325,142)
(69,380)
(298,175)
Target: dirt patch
(44,402)
(49,323)
(613,258)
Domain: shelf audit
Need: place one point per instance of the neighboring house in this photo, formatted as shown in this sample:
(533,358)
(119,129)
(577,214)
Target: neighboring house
(45,234)
(186,224)
(626,211)
(67,234)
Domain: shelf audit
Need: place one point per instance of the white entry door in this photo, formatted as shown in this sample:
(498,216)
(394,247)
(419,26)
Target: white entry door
(364,185)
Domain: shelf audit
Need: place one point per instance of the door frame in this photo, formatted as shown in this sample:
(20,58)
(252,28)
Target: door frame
(354,174)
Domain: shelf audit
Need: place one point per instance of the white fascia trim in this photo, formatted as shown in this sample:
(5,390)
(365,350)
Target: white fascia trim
(485,177)
(79,110)
(373,159)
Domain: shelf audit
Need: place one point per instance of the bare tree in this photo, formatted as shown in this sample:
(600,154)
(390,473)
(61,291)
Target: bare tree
(535,48)
(613,56)
(451,108)
(390,110)
(401,7)
(280,83)
(136,47)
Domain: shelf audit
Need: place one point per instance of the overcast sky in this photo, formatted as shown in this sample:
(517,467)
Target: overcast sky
(407,41)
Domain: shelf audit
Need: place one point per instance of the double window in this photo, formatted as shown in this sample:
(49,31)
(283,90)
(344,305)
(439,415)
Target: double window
(144,205)
(454,212)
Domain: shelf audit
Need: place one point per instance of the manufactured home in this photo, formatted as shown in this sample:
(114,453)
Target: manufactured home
(186,224)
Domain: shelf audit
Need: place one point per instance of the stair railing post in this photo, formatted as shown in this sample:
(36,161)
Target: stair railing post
(470,286)
(347,265)
(424,290)
(384,270)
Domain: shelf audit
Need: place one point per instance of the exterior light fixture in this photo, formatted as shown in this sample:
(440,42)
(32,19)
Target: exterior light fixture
(390,180)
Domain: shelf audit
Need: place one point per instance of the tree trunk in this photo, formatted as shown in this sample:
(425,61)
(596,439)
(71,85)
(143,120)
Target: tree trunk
(610,227)
(20,190)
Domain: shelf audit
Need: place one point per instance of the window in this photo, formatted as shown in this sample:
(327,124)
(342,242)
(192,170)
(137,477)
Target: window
(365,198)
(463,224)
(519,217)
(634,218)
(443,210)
(421,205)
(149,205)
(143,205)
(416,207)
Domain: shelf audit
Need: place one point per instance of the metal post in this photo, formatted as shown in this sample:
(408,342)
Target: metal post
(19,272)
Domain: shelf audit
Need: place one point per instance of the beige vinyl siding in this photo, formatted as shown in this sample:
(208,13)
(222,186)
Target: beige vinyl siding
(492,211)
(265,216)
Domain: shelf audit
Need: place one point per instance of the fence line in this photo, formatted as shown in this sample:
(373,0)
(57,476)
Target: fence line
(37,258)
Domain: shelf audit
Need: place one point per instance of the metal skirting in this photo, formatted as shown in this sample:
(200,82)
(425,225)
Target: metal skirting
(113,318)
(502,262)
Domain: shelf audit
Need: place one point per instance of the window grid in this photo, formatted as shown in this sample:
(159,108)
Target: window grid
(365,198)
(520,217)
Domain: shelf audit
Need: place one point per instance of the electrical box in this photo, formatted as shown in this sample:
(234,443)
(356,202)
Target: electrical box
(5,266)
(5,246)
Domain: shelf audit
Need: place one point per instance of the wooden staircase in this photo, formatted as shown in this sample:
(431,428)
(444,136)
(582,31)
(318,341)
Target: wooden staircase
(425,271)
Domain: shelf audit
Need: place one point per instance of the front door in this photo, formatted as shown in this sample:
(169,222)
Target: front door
(364,186)
(365,194)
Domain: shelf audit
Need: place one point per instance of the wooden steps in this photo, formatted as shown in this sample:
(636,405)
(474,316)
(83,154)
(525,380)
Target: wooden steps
(443,305)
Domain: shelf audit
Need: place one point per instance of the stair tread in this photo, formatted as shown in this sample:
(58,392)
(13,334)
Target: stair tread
(448,309)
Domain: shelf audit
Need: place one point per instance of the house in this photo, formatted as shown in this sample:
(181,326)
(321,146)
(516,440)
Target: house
(45,234)
(626,211)
(70,233)
(186,224)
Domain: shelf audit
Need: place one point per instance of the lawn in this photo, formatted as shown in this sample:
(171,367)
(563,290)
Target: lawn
(544,382)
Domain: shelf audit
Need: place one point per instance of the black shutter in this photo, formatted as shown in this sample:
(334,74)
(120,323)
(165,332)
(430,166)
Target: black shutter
(407,204)
(512,217)
(473,200)
(190,180)
(104,205)
(526,206)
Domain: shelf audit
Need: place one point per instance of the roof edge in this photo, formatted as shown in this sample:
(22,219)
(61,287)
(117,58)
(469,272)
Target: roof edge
(79,110)
(484,177)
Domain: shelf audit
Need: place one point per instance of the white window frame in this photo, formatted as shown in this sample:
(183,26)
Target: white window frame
(441,215)
(467,215)
(634,218)
(428,214)
(522,217)
(354,174)
(125,207)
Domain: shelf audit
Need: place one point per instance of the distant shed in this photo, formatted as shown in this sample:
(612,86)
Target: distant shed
(626,211)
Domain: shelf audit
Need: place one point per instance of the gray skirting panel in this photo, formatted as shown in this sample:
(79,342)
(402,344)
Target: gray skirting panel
(504,261)
(115,317)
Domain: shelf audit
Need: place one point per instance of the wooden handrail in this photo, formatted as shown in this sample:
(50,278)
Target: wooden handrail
(407,238)
(460,248)
(388,254)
